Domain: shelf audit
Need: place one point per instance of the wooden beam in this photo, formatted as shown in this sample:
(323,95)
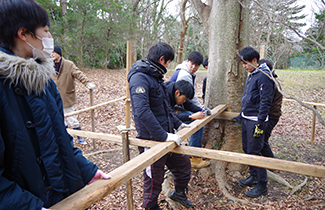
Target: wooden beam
(227,115)
(309,103)
(254,160)
(94,107)
(197,124)
(99,189)
(263,162)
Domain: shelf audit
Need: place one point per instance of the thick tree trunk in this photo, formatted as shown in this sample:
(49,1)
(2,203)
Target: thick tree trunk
(228,34)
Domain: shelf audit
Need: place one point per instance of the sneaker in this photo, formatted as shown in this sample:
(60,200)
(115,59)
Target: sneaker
(180,197)
(250,181)
(257,191)
(81,140)
(197,162)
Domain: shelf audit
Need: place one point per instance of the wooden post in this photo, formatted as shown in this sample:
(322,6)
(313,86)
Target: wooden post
(313,127)
(92,115)
(126,157)
(128,101)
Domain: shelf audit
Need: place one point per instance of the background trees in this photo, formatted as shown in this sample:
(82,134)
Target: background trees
(94,33)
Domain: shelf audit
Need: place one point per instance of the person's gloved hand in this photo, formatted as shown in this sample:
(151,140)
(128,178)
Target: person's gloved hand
(99,174)
(258,129)
(45,208)
(237,120)
(91,85)
(206,110)
(175,138)
(183,125)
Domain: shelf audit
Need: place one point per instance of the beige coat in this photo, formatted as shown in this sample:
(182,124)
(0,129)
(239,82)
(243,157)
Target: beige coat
(65,82)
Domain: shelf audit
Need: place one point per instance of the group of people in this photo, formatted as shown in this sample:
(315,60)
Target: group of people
(39,165)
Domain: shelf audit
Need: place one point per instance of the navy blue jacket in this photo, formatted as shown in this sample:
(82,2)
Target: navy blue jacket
(152,115)
(186,106)
(39,166)
(258,94)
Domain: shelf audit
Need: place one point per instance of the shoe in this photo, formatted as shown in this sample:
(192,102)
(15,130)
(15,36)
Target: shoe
(197,162)
(154,208)
(180,197)
(81,140)
(250,181)
(257,191)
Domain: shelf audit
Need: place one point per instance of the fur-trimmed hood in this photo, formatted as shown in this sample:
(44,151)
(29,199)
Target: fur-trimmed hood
(30,74)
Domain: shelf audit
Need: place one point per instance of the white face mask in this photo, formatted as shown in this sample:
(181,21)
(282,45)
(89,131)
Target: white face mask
(48,47)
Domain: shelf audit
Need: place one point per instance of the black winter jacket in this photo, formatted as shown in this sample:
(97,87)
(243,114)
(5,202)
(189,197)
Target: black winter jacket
(258,94)
(152,115)
(188,105)
(38,164)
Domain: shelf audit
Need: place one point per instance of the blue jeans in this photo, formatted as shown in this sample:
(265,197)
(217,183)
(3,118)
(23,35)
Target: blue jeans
(197,137)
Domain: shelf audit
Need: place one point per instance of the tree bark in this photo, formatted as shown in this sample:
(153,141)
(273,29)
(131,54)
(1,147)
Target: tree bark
(226,78)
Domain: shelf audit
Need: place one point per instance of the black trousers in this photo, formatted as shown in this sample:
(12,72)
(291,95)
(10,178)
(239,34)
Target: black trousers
(153,176)
(253,146)
(267,151)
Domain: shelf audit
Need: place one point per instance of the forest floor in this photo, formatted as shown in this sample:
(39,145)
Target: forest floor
(290,140)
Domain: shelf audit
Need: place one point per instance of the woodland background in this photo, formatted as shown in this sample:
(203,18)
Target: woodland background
(93,33)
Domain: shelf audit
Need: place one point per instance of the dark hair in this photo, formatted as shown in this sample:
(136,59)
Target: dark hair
(195,57)
(185,88)
(248,54)
(205,62)
(267,61)
(15,14)
(160,49)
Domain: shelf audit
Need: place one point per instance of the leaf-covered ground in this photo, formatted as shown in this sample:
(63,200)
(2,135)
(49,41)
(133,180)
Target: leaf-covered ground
(290,140)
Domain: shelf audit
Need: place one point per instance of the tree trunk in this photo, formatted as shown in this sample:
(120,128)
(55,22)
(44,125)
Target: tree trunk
(64,6)
(226,78)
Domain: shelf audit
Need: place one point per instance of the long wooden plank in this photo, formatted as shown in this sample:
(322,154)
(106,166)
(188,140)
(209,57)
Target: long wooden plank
(94,107)
(197,124)
(99,189)
(270,163)
(308,103)
(263,162)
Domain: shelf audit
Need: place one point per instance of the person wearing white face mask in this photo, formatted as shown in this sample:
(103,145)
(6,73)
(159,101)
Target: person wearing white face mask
(39,166)
(66,73)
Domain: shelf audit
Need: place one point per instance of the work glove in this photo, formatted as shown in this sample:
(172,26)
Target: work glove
(175,138)
(206,110)
(99,174)
(183,125)
(258,129)
(91,85)
(237,120)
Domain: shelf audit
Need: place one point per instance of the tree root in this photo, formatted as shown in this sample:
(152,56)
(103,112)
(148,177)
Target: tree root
(167,189)
(280,180)
(219,168)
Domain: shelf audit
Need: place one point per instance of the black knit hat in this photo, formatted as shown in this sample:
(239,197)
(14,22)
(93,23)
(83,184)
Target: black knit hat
(58,50)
